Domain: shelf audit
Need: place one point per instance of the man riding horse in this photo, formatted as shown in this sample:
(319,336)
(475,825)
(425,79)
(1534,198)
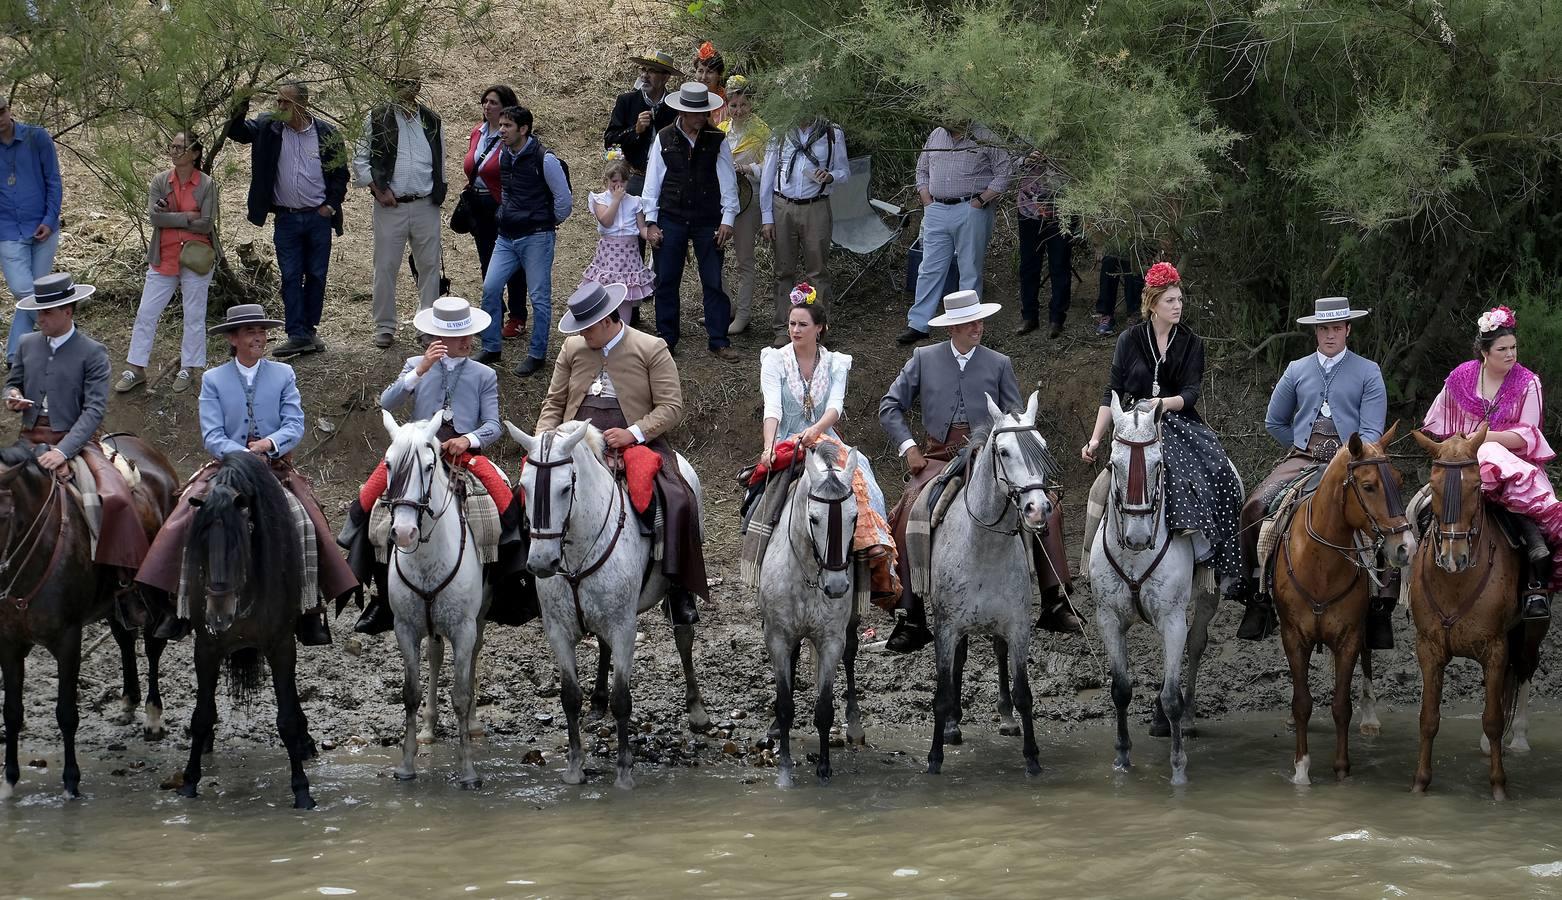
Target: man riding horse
(444,381)
(625,382)
(60,386)
(1321,400)
(949,379)
(250,403)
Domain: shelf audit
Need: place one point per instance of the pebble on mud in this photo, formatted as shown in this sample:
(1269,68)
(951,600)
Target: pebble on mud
(327,744)
(173,782)
(729,748)
(544,718)
(38,763)
(534,758)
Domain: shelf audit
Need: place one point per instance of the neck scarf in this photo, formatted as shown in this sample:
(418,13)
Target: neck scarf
(1464,389)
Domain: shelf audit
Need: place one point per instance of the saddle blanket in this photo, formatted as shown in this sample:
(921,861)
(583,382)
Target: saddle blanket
(84,486)
(308,552)
(482,516)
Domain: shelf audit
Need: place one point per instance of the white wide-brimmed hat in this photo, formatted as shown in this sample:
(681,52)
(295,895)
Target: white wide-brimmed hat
(590,304)
(695,97)
(1327,310)
(54,290)
(962,307)
(451,317)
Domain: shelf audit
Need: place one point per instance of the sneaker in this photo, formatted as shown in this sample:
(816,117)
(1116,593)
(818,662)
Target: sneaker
(1103,326)
(182,381)
(128,380)
(384,339)
(911,336)
(513,328)
(294,346)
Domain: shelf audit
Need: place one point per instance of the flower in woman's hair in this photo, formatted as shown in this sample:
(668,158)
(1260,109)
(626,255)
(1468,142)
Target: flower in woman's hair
(1161,274)
(613,153)
(804,295)
(707,50)
(1495,318)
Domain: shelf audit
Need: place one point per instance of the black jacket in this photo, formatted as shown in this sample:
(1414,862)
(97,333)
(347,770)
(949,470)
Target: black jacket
(1181,373)
(621,127)
(265,133)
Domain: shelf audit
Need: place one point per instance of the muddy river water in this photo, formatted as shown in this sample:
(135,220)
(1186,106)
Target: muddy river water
(880,829)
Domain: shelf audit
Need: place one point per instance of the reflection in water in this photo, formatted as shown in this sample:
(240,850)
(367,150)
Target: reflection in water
(881,829)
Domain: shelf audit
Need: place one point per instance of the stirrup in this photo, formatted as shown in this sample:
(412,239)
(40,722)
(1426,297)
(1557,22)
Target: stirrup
(1537,606)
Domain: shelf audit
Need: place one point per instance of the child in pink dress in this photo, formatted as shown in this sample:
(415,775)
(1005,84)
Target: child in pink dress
(1495,391)
(621,226)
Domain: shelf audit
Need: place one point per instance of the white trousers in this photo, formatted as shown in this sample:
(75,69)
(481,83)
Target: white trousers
(159,289)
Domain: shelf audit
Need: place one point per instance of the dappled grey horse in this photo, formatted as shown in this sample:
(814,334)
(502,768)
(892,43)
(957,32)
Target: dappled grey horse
(436,587)
(595,571)
(1139,571)
(981,577)
(806,592)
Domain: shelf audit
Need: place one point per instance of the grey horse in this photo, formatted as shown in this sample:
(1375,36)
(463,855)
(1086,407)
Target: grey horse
(595,572)
(981,578)
(1140,571)
(806,591)
(436,586)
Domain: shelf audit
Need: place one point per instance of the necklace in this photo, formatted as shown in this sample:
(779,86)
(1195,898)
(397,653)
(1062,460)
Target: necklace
(1488,407)
(808,385)
(1155,376)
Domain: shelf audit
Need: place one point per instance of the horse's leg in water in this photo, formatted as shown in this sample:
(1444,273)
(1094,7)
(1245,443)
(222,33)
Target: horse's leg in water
(1114,637)
(1019,653)
(1174,637)
(782,656)
(1518,731)
(408,639)
(945,642)
(797,651)
(599,693)
(1495,668)
(952,733)
(1369,697)
(13,662)
(463,644)
(623,670)
(1205,604)
(208,656)
(428,729)
(561,638)
(1432,656)
(152,729)
(1298,655)
(827,656)
(130,690)
(474,726)
(855,737)
(683,635)
(1006,724)
(292,724)
(1345,654)
(65,711)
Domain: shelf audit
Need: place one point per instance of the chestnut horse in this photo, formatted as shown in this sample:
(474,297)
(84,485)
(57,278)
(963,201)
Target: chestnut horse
(1320,588)
(1464,588)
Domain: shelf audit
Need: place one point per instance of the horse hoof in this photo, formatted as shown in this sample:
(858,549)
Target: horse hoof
(1190,731)
(404,776)
(784,779)
(953,736)
(1499,794)
(304,801)
(6,790)
(824,780)
(476,734)
(594,717)
(187,790)
(154,736)
(1178,779)
(624,781)
(1122,765)
(858,738)
(1519,745)
(1009,729)
(1032,768)
(425,738)
(123,717)
(471,784)
(699,722)
(1417,788)
(934,768)
(774,731)
(75,794)
(1371,729)
(574,776)
(1160,728)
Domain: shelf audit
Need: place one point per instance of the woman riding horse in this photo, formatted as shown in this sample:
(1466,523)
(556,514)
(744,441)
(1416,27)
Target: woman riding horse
(1493,390)
(1163,360)
(250,404)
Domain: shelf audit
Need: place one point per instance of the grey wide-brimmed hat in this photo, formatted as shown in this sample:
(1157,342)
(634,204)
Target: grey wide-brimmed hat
(962,307)
(451,317)
(56,289)
(590,304)
(660,60)
(694,97)
(241,315)
(1327,310)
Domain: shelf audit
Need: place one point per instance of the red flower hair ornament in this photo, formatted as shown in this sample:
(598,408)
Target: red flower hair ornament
(1161,274)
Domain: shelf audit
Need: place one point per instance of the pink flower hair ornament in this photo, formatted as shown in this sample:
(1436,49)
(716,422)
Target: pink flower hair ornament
(1161,274)
(804,295)
(1495,318)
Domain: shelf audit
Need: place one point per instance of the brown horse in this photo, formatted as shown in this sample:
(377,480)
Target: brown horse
(50,589)
(1321,590)
(1464,588)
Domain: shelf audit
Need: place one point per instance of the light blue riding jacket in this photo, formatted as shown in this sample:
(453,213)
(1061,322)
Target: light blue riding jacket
(1358,400)
(278,408)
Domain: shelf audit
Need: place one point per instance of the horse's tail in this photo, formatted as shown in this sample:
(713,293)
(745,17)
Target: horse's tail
(1521,667)
(245,673)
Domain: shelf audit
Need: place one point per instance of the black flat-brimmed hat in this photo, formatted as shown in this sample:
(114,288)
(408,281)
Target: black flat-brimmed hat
(242,315)
(695,97)
(56,289)
(590,304)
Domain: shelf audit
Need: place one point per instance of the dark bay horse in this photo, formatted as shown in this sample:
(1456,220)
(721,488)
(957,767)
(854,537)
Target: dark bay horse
(243,573)
(1464,588)
(1321,589)
(50,589)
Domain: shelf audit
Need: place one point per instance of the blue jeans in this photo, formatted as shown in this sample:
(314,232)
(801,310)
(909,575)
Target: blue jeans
(532,253)
(1043,237)
(669,261)
(22,261)
(949,231)
(303,242)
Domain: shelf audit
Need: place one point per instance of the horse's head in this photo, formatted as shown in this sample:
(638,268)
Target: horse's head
(412,464)
(1138,472)
(830,508)
(1456,497)
(1022,463)
(18,470)
(1372,498)
(242,542)
(550,482)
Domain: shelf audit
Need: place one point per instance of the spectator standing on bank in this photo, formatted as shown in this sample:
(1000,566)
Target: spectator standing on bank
(747,134)
(1042,235)
(620,228)
(802,168)
(640,113)
(482,170)
(30,198)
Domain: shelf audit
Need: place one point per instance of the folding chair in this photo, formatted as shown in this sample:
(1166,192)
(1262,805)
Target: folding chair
(859,225)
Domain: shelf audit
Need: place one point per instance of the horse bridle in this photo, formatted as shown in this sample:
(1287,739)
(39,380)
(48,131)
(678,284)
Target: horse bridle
(837,553)
(1453,504)
(542,496)
(33,537)
(396,489)
(1001,475)
(1149,501)
(1380,533)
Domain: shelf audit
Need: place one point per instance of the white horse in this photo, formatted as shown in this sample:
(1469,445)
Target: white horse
(981,567)
(1140,571)
(595,572)
(435,584)
(806,591)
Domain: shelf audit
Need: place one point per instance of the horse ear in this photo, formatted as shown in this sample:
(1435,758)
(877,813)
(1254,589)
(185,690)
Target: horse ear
(1479,438)
(1117,410)
(526,441)
(431,430)
(1030,408)
(1354,444)
(1388,436)
(567,446)
(1427,442)
(992,408)
(391,428)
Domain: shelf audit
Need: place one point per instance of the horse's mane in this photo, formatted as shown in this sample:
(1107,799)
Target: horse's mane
(593,438)
(1032,446)
(269,564)
(16,454)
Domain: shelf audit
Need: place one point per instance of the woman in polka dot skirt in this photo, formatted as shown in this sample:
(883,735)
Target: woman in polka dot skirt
(1160,358)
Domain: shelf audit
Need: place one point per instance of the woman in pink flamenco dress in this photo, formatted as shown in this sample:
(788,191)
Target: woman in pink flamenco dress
(1495,391)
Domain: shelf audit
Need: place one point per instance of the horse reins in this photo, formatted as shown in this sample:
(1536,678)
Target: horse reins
(34,532)
(1354,555)
(1143,504)
(542,496)
(1001,474)
(1451,514)
(421,507)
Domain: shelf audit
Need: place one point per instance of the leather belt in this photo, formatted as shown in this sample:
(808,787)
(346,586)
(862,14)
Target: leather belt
(296,209)
(951,201)
(411,197)
(814,199)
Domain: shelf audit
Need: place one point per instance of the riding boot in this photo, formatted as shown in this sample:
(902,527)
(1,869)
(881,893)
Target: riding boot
(1057,615)
(1380,623)
(171,628)
(377,617)
(680,607)
(512,523)
(311,628)
(911,632)
(1537,599)
(1260,620)
(354,538)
